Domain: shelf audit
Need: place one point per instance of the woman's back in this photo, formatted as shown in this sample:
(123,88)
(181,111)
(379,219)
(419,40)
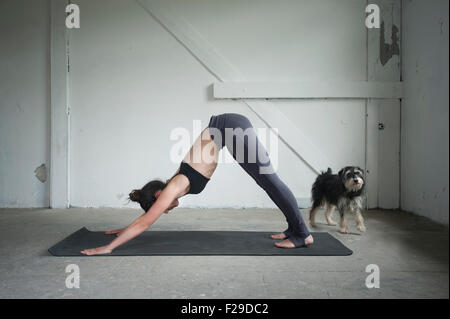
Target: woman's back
(203,155)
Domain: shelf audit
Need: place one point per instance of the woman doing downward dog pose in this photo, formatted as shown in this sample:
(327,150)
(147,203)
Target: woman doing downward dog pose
(195,171)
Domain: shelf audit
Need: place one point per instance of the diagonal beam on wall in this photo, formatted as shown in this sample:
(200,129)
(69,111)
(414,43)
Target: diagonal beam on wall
(201,49)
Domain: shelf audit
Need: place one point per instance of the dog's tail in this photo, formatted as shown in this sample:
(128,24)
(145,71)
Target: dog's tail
(316,190)
(323,174)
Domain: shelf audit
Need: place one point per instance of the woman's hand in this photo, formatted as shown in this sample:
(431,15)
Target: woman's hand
(97,251)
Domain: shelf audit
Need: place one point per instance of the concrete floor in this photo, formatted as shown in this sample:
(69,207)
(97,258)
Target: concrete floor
(411,252)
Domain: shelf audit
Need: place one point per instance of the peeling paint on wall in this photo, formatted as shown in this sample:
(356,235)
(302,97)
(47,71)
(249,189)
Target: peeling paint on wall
(387,51)
(41,173)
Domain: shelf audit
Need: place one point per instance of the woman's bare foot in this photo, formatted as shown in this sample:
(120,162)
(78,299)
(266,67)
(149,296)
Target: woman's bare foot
(278,236)
(309,240)
(285,244)
(288,244)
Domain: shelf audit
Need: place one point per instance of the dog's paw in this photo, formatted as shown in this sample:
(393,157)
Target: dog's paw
(331,222)
(361,228)
(344,231)
(313,224)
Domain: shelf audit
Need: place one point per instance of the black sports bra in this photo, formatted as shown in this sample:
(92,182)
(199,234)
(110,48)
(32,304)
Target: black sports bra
(196,180)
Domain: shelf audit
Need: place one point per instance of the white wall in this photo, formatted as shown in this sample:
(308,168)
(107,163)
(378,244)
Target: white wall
(131,83)
(24,102)
(425,109)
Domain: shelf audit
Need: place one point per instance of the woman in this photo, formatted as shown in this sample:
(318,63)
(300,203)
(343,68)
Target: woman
(196,170)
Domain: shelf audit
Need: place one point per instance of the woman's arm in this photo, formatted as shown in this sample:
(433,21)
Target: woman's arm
(145,221)
(118,231)
(115,231)
(168,195)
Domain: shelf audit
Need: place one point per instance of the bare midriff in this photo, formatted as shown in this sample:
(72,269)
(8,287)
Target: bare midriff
(203,154)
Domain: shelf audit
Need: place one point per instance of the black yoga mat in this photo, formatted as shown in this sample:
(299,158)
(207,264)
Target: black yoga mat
(184,243)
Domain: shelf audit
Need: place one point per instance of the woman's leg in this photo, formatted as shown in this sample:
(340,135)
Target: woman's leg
(256,162)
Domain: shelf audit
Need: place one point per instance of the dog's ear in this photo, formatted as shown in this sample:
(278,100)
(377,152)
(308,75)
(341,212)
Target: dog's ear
(341,172)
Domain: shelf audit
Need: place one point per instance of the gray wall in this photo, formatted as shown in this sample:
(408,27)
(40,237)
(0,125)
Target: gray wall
(425,109)
(24,102)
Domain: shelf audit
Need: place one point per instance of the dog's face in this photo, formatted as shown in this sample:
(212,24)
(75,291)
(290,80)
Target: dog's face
(352,177)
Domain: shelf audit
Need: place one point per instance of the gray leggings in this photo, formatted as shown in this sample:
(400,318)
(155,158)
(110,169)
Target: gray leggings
(253,161)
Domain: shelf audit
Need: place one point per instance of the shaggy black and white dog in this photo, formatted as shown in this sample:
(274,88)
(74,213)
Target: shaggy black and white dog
(343,190)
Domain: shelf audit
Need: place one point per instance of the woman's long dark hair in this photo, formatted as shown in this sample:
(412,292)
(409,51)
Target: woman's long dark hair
(146,196)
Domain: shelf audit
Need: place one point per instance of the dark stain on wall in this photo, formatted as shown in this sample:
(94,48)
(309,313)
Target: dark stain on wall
(387,51)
